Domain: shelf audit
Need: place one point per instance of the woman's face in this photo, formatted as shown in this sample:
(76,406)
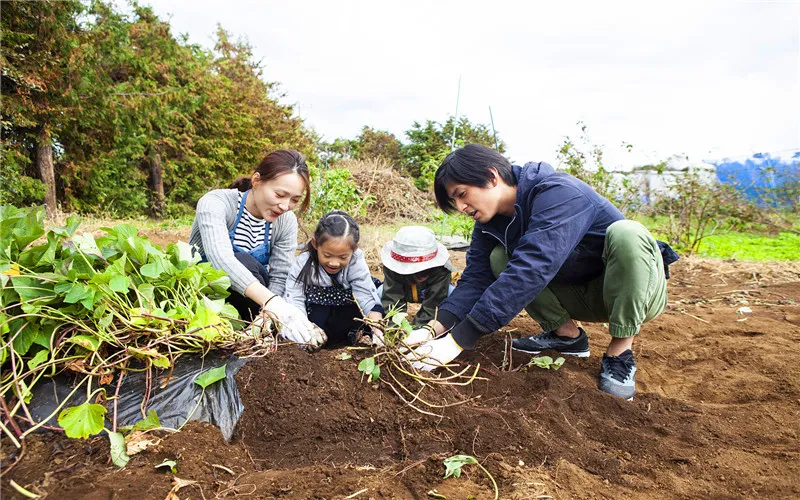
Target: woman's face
(279,195)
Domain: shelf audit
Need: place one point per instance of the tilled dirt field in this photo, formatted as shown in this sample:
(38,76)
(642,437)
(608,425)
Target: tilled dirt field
(717,415)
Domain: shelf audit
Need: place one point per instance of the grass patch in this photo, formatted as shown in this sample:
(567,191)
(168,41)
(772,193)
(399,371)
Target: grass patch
(751,246)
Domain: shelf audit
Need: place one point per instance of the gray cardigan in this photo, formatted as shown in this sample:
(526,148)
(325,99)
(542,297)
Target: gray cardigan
(215,216)
(354,276)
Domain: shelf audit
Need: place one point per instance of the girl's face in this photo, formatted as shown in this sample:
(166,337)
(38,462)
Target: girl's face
(275,197)
(335,253)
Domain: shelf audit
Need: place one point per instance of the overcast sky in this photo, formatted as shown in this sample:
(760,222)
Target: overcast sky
(707,79)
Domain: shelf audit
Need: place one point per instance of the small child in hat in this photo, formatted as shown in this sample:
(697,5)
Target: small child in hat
(416,269)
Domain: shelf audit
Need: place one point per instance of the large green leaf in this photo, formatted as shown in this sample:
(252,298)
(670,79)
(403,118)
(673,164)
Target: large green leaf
(30,288)
(88,342)
(151,422)
(119,283)
(208,377)
(119,454)
(24,330)
(205,323)
(83,420)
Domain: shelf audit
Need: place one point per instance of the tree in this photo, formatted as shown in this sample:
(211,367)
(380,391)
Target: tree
(429,144)
(378,144)
(39,40)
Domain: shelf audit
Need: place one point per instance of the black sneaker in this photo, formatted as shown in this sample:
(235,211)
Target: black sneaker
(618,375)
(579,346)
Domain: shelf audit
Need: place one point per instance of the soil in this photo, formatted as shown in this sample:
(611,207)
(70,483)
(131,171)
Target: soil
(717,415)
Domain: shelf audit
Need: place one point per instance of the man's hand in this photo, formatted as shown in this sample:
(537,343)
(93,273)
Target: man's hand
(434,353)
(419,336)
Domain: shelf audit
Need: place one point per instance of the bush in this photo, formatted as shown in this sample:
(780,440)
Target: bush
(335,189)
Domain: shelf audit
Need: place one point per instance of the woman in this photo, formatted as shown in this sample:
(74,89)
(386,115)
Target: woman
(250,232)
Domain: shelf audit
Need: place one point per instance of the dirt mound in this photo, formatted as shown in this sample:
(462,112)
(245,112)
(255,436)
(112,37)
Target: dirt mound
(715,416)
(396,197)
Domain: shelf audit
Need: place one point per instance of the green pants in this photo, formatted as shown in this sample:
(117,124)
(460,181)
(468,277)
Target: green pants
(631,291)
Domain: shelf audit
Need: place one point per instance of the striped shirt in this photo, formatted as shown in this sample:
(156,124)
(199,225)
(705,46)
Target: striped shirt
(249,233)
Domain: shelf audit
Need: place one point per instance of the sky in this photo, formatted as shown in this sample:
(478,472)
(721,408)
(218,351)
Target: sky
(704,79)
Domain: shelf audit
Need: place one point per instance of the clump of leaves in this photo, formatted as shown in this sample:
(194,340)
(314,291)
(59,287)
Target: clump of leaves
(368,367)
(454,464)
(95,306)
(546,362)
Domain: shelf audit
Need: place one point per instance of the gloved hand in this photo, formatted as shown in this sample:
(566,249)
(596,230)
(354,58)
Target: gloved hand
(318,336)
(434,353)
(293,324)
(419,336)
(377,337)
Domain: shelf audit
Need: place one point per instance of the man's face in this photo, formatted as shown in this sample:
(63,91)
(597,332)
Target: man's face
(479,203)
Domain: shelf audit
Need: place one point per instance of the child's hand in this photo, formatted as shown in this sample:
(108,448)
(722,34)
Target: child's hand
(377,333)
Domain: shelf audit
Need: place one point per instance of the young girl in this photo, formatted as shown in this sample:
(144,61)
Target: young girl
(330,280)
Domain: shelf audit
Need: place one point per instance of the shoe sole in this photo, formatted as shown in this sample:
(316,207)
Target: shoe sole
(582,354)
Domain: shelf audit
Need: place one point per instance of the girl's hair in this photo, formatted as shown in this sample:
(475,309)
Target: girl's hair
(334,224)
(469,165)
(275,164)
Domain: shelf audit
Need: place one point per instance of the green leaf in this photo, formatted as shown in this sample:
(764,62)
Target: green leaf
(454,464)
(172,464)
(24,332)
(398,318)
(119,283)
(87,244)
(205,323)
(119,454)
(83,420)
(376,373)
(88,342)
(367,365)
(151,422)
(210,376)
(161,362)
(40,357)
(557,363)
(77,292)
(344,356)
(147,291)
(30,288)
(153,269)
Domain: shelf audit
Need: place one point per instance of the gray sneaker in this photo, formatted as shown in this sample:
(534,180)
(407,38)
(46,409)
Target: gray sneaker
(618,375)
(579,346)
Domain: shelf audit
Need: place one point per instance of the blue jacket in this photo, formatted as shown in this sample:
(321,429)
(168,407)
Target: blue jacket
(556,234)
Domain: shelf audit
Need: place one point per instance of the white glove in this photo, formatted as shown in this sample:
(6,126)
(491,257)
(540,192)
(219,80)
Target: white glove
(293,324)
(318,336)
(434,353)
(419,336)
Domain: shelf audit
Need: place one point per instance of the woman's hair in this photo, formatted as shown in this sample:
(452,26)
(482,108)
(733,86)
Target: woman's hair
(275,164)
(469,165)
(334,224)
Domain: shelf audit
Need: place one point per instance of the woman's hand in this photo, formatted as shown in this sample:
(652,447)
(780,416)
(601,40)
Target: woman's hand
(377,333)
(293,324)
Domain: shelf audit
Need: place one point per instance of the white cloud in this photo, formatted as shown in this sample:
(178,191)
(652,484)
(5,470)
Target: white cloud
(708,79)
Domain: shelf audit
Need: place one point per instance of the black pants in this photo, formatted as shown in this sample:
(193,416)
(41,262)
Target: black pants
(337,321)
(247,308)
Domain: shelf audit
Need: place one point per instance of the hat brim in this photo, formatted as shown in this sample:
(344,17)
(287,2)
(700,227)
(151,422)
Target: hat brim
(442,256)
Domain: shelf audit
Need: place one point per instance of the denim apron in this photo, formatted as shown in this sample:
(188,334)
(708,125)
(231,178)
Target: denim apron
(260,253)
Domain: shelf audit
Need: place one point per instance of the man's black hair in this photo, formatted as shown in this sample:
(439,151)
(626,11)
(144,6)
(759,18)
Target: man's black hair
(469,165)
